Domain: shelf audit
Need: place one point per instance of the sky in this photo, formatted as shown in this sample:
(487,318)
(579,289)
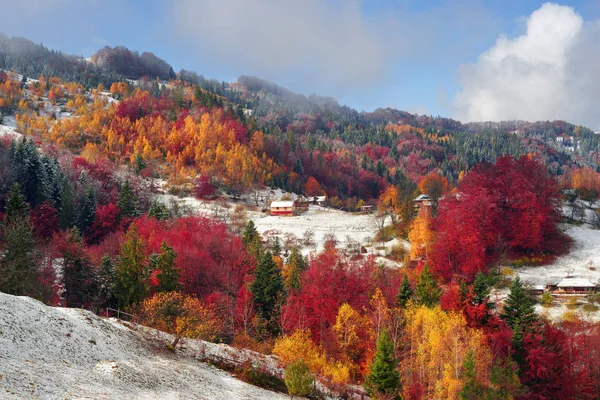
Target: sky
(471,60)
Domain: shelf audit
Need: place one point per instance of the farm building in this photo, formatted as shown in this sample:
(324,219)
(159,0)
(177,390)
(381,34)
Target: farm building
(366,209)
(575,285)
(422,200)
(301,203)
(283,207)
(318,200)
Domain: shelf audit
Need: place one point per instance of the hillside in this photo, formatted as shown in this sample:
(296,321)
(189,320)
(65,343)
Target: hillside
(57,353)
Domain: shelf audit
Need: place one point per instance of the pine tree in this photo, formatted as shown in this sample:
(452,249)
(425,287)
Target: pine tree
(66,210)
(127,202)
(267,289)
(131,286)
(383,379)
(295,266)
(518,308)
(167,274)
(79,278)
(406,292)
(427,292)
(85,210)
(481,287)
(158,210)
(251,239)
(106,283)
(276,247)
(472,388)
(16,207)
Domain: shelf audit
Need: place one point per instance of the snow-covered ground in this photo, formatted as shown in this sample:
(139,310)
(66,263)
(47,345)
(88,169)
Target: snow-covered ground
(59,353)
(582,261)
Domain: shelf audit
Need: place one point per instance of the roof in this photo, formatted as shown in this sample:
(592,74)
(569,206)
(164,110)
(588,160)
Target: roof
(319,198)
(282,204)
(422,197)
(576,282)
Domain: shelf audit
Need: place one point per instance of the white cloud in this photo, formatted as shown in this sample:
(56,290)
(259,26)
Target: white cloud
(549,72)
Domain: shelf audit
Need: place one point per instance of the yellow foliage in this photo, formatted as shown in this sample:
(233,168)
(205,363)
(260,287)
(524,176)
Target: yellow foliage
(421,235)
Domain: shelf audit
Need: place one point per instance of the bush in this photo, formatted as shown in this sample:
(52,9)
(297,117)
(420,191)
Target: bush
(298,379)
(546,300)
(261,378)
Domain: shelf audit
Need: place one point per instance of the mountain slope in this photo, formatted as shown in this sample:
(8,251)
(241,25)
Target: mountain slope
(48,352)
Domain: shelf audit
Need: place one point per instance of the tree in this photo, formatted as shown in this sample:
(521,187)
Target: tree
(167,274)
(16,207)
(158,210)
(472,388)
(383,380)
(518,308)
(85,209)
(421,235)
(181,316)
(251,239)
(313,188)
(427,292)
(127,202)
(298,379)
(131,286)
(292,271)
(405,293)
(106,283)
(267,289)
(435,186)
(79,276)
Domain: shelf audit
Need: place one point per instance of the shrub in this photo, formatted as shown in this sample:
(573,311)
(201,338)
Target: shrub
(546,300)
(298,379)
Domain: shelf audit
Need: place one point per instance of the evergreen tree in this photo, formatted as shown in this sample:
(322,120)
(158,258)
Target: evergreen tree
(167,274)
(296,265)
(518,308)
(85,210)
(427,292)
(130,285)
(139,163)
(158,210)
(383,379)
(481,287)
(277,247)
(127,201)
(16,207)
(19,274)
(106,283)
(66,210)
(406,292)
(267,288)
(472,389)
(79,278)
(251,239)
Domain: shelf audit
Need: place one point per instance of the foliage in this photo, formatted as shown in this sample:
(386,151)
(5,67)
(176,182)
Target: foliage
(427,292)
(383,379)
(298,379)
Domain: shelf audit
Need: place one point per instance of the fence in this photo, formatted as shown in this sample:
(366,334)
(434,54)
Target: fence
(111,312)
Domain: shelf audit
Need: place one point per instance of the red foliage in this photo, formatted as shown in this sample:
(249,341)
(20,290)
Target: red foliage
(136,107)
(45,220)
(203,187)
(106,220)
(313,188)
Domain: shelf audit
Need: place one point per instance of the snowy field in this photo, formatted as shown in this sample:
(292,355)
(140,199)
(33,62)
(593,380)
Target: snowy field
(59,353)
(582,261)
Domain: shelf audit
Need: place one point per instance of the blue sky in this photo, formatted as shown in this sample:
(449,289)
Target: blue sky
(407,54)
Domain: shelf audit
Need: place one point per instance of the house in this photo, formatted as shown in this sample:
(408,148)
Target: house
(318,200)
(536,290)
(366,209)
(576,285)
(423,200)
(286,207)
(301,203)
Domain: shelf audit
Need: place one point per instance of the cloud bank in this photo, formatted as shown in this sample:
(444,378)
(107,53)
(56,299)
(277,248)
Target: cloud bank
(547,73)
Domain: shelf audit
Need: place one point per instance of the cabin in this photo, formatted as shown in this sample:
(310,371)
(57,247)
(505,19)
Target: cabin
(301,203)
(576,285)
(282,207)
(318,200)
(536,290)
(366,209)
(423,200)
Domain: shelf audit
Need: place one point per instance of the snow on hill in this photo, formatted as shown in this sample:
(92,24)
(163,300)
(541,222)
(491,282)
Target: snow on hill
(58,353)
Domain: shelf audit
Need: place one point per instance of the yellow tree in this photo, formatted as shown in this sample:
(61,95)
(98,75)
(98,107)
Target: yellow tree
(421,235)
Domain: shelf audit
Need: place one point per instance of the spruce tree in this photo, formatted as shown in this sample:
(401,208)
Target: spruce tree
(383,379)
(427,292)
(85,210)
(66,210)
(267,288)
(130,285)
(79,278)
(158,210)
(167,274)
(296,265)
(127,202)
(16,207)
(481,287)
(106,283)
(405,293)
(518,308)
(251,239)
(472,389)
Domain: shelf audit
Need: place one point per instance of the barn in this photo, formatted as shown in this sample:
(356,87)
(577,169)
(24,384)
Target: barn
(283,208)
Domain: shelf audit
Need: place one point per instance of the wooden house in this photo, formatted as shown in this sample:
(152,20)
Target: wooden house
(423,200)
(283,207)
(576,285)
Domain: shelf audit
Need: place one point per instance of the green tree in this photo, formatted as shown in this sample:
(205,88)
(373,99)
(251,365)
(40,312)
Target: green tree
(66,210)
(131,286)
(298,379)
(139,163)
(85,210)
(16,207)
(296,265)
(481,287)
(106,283)
(472,389)
(167,274)
(383,380)
(127,202)
(405,293)
(79,278)
(158,210)
(251,239)
(427,292)
(267,289)
(519,308)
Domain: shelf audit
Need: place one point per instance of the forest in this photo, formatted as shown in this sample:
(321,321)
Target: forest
(82,226)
